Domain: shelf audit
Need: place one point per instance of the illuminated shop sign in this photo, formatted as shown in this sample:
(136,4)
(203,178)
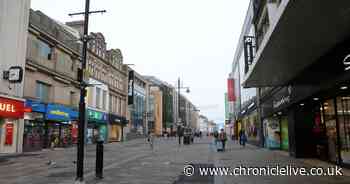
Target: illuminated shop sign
(11,108)
(97,116)
(58,112)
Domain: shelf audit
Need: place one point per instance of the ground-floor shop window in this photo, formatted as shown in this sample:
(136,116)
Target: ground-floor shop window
(343,104)
(33,135)
(272,133)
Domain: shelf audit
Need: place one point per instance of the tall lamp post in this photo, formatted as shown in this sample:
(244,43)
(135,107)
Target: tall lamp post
(83,85)
(179,87)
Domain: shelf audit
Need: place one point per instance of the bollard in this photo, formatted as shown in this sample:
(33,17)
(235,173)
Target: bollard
(99,160)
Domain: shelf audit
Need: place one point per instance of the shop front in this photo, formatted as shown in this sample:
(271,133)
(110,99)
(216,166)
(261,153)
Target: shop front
(59,125)
(33,135)
(250,123)
(115,128)
(274,113)
(97,129)
(11,113)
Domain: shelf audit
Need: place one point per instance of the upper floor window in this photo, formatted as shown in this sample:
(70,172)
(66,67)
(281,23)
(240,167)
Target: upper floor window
(104,99)
(98,98)
(44,50)
(42,91)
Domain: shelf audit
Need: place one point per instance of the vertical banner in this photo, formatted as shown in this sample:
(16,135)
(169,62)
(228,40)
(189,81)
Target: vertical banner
(226,107)
(9,134)
(231,90)
(248,52)
(131,88)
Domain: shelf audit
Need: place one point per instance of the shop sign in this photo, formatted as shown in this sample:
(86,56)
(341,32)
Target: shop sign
(283,100)
(58,112)
(284,97)
(248,51)
(35,106)
(251,105)
(96,115)
(346,62)
(11,108)
(9,133)
(33,116)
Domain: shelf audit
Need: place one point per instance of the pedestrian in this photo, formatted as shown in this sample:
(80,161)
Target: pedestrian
(242,137)
(180,133)
(150,139)
(223,139)
(216,137)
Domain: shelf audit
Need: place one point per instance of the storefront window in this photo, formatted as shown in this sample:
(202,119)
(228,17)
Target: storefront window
(343,108)
(331,130)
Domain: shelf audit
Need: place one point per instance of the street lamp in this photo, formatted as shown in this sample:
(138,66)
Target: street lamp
(83,85)
(179,87)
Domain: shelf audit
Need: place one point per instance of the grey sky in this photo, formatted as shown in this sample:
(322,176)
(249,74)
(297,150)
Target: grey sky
(190,39)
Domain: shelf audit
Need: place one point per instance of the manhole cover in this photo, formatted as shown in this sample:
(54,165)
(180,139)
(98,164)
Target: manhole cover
(196,177)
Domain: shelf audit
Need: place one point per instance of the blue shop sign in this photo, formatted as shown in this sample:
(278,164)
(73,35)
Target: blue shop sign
(59,112)
(36,106)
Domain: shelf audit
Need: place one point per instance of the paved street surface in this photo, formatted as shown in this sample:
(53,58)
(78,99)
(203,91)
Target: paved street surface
(134,162)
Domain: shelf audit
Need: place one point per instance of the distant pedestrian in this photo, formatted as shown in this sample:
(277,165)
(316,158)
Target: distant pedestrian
(242,137)
(150,139)
(223,138)
(216,137)
(180,133)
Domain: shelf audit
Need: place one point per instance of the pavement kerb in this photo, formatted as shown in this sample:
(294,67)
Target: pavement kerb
(307,161)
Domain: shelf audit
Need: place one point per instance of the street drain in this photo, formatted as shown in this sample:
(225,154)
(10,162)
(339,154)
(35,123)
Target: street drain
(196,177)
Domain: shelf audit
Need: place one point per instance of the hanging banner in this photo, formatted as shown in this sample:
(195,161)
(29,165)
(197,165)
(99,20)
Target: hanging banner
(231,90)
(9,134)
(131,88)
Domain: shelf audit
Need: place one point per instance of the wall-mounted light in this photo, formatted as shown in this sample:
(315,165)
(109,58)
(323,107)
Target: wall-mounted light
(301,104)
(316,99)
(344,88)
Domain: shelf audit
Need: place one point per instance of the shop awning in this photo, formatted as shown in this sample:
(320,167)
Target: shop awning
(305,31)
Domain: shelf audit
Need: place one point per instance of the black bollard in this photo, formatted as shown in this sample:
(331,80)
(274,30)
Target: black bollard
(99,160)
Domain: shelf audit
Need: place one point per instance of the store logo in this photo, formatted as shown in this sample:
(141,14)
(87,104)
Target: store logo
(346,62)
(283,100)
(59,113)
(7,107)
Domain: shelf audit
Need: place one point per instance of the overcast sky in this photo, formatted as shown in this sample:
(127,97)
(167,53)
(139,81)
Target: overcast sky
(191,39)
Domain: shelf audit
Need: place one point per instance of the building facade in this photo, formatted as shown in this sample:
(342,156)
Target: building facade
(137,102)
(13,36)
(168,92)
(304,104)
(107,98)
(51,88)
(242,100)
(156,109)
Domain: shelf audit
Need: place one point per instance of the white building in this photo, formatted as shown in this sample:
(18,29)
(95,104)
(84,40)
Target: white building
(14,19)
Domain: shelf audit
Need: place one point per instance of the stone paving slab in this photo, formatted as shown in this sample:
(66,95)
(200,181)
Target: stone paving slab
(135,162)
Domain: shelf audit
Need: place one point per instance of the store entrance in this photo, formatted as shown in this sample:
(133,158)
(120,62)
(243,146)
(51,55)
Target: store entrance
(334,120)
(343,110)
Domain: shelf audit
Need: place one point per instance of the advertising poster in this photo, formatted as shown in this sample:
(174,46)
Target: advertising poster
(9,134)
(284,134)
(273,134)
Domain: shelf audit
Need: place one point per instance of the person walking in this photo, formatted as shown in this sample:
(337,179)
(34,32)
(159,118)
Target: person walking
(180,133)
(216,137)
(223,139)
(242,137)
(150,139)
